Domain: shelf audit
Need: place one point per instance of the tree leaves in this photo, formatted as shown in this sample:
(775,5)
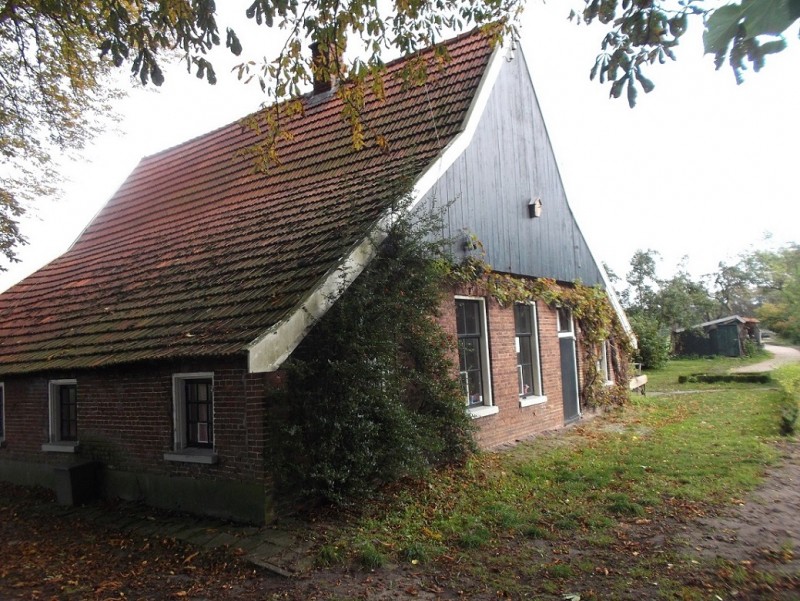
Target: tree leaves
(736,32)
(644,32)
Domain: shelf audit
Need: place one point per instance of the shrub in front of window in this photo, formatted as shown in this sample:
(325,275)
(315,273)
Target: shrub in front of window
(370,393)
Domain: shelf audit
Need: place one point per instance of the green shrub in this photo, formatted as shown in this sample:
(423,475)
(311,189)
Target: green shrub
(621,504)
(370,394)
(474,538)
(328,555)
(789,419)
(652,344)
(417,552)
(753,378)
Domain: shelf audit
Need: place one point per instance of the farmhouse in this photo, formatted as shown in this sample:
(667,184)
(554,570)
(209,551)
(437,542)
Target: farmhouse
(153,345)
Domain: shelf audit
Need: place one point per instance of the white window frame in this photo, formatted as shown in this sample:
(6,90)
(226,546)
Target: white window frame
(537,397)
(488,407)
(180,451)
(2,412)
(569,332)
(562,331)
(604,366)
(54,443)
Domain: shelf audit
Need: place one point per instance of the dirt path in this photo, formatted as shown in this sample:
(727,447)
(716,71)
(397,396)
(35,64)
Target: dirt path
(781,356)
(762,531)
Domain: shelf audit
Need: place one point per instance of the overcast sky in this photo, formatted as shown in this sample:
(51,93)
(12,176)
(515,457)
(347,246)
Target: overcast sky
(700,168)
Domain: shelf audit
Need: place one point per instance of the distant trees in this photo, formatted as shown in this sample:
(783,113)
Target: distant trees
(760,283)
(769,281)
(673,302)
(656,306)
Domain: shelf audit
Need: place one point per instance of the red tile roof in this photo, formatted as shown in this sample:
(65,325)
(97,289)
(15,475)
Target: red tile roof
(198,255)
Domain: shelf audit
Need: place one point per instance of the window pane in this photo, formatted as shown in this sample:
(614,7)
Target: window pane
(198,397)
(564,320)
(460,318)
(525,365)
(469,328)
(468,321)
(202,433)
(470,354)
(522,318)
(526,380)
(469,359)
(68,412)
(472,387)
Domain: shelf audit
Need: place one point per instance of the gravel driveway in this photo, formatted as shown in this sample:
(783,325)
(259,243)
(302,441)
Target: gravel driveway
(781,356)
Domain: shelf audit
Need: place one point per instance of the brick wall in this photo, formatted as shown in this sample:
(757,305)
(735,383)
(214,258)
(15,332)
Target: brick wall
(512,422)
(125,418)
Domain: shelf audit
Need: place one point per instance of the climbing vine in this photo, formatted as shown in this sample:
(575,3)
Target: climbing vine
(596,318)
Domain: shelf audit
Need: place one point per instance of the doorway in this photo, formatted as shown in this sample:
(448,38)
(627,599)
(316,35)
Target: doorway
(569,365)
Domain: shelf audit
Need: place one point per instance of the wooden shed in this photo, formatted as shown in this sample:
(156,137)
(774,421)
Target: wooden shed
(726,336)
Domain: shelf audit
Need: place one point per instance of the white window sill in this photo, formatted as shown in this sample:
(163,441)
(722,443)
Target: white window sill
(608,383)
(204,456)
(61,447)
(528,401)
(482,411)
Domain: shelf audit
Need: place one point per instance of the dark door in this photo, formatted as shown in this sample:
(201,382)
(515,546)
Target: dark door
(728,340)
(569,366)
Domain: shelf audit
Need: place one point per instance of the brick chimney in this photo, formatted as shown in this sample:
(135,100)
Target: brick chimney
(325,65)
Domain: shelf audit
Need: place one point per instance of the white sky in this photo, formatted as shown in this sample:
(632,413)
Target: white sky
(701,167)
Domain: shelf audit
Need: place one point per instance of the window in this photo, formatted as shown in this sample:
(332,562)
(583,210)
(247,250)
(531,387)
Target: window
(193,418)
(199,426)
(473,355)
(529,372)
(63,409)
(2,412)
(604,363)
(564,316)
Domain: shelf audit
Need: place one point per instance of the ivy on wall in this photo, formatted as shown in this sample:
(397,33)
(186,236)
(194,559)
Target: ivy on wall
(596,318)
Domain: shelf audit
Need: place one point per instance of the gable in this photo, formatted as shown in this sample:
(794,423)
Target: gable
(508,163)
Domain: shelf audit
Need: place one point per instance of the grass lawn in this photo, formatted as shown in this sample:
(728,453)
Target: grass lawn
(588,511)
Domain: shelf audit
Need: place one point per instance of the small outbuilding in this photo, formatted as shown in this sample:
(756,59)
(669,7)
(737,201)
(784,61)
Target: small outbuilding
(727,336)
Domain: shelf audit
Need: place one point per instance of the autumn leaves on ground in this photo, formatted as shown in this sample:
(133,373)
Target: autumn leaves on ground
(617,508)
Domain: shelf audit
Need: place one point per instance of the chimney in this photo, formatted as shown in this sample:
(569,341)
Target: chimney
(325,65)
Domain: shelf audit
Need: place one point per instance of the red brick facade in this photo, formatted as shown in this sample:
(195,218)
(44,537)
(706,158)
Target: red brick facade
(125,414)
(125,421)
(125,418)
(513,422)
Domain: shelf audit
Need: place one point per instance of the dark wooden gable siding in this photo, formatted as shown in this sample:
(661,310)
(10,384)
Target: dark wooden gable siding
(510,161)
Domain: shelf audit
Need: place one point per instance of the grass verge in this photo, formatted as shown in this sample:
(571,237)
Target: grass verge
(521,520)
